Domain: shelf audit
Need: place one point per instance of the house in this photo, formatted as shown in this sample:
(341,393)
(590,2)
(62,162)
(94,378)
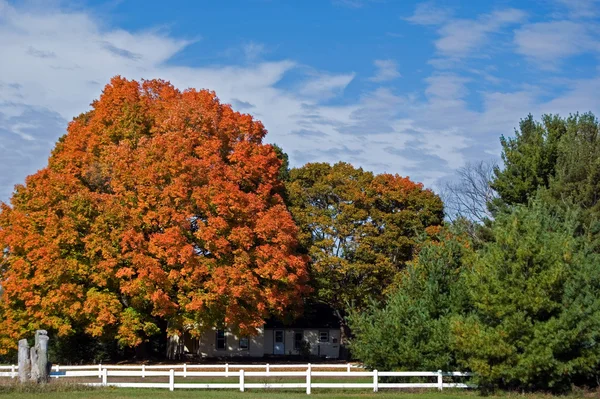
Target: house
(309,336)
(274,341)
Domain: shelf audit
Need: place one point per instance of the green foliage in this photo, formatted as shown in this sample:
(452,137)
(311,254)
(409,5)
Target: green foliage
(284,170)
(559,155)
(577,180)
(534,289)
(412,330)
(529,159)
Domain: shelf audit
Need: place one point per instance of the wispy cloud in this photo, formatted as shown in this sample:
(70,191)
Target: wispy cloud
(548,43)
(40,53)
(462,37)
(324,85)
(425,131)
(580,8)
(254,51)
(429,14)
(355,3)
(386,70)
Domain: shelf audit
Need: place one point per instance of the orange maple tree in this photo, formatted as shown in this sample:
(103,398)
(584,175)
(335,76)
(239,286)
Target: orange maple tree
(156,205)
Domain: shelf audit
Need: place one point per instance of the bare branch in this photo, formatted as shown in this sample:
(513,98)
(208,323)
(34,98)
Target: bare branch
(469,195)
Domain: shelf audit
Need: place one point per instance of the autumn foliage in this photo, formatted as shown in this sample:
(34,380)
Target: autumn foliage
(157,205)
(359,229)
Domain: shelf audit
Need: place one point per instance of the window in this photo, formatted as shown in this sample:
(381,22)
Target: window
(298,340)
(221,339)
(323,336)
(244,343)
(278,337)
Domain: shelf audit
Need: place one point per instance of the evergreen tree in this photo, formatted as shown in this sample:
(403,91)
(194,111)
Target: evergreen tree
(577,180)
(534,290)
(412,330)
(529,159)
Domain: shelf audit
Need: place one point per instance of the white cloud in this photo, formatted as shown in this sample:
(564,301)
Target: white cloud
(386,70)
(446,86)
(324,86)
(461,37)
(580,8)
(547,43)
(253,50)
(354,3)
(60,60)
(428,14)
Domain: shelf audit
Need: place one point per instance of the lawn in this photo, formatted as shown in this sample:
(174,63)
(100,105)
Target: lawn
(130,393)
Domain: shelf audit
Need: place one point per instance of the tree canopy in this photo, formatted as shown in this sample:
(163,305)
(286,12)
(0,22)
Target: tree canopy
(157,205)
(410,330)
(559,155)
(359,229)
(536,312)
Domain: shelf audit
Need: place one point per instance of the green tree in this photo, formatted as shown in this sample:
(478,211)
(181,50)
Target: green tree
(359,229)
(284,169)
(577,178)
(529,159)
(534,291)
(411,331)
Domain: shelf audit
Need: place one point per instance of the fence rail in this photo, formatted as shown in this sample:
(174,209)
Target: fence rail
(238,374)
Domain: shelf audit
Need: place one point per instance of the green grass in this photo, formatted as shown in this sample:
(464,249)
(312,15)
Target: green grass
(130,393)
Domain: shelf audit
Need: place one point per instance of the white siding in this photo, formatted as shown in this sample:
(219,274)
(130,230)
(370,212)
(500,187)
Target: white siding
(329,349)
(262,344)
(207,345)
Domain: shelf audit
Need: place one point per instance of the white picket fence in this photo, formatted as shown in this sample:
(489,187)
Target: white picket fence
(238,374)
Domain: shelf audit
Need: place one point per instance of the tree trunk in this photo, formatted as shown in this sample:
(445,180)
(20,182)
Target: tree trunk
(175,347)
(345,335)
(141,351)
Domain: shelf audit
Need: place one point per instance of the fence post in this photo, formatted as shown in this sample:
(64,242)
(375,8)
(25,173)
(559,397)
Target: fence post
(241,380)
(104,376)
(184,370)
(440,380)
(13,373)
(348,367)
(375,381)
(100,370)
(268,369)
(143,371)
(308,375)
(24,361)
(226,370)
(171,380)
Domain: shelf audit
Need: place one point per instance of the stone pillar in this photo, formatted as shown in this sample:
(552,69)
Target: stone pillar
(24,362)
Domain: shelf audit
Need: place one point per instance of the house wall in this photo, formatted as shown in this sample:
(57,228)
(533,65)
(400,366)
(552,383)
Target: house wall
(262,344)
(268,337)
(329,349)
(206,346)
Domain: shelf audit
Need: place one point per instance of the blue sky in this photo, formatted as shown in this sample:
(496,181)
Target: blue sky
(407,87)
